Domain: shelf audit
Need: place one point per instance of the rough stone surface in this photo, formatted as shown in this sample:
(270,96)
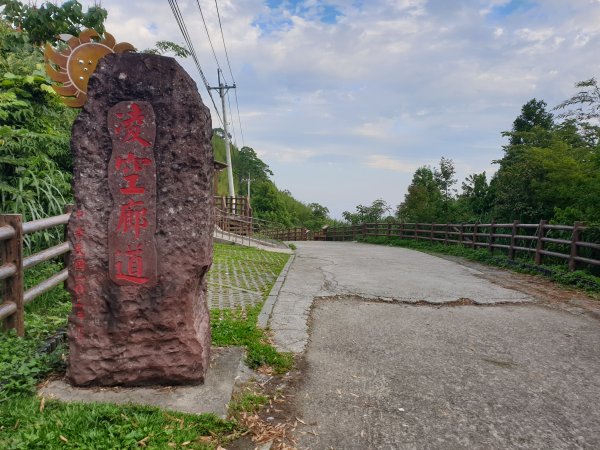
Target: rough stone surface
(129,334)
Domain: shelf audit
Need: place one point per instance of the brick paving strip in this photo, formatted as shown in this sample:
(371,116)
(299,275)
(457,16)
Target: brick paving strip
(241,276)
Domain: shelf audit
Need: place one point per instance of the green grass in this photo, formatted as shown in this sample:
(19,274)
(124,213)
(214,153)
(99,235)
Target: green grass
(23,364)
(25,425)
(247,402)
(579,279)
(238,327)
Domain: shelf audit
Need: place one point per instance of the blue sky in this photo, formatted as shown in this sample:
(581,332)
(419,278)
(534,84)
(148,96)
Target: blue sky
(344,99)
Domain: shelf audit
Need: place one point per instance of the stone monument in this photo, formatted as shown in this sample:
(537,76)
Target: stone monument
(141,229)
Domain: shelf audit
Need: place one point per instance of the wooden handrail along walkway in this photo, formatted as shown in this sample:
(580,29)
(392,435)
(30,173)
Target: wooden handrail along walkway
(511,237)
(13,266)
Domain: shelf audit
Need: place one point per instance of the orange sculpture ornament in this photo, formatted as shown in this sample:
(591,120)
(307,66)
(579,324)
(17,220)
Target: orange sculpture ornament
(77,62)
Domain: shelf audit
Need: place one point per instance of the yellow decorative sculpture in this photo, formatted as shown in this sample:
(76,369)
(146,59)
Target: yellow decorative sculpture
(77,63)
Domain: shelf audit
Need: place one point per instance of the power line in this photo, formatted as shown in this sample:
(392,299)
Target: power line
(223,38)
(208,36)
(181,23)
(237,105)
(239,119)
(232,124)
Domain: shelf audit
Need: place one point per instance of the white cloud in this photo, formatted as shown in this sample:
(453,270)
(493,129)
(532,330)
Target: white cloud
(405,81)
(387,163)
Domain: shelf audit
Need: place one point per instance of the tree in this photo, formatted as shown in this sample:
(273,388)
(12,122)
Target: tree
(586,102)
(423,201)
(267,203)
(166,47)
(475,197)
(35,156)
(533,117)
(246,163)
(444,178)
(368,214)
(46,22)
(583,110)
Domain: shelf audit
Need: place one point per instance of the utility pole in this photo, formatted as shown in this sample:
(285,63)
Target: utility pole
(248,180)
(223,88)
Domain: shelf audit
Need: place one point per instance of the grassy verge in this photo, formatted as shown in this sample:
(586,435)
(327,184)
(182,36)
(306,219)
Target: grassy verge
(238,327)
(27,423)
(559,273)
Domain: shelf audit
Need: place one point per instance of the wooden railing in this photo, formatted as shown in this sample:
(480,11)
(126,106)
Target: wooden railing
(13,266)
(245,228)
(239,206)
(542,240)
(291,234)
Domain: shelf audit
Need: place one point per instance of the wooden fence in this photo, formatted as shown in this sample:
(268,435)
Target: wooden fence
(13,265)
(542,240)
(292,234)
(234,205)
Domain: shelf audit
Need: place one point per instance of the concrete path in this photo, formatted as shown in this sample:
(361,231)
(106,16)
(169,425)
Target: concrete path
(410,351)
(324,269)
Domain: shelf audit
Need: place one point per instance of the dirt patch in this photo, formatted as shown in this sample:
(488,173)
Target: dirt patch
(275,423)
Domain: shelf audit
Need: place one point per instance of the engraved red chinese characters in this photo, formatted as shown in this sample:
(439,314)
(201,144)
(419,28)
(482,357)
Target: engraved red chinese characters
(132,183)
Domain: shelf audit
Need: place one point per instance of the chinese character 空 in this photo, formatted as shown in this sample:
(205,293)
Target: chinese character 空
(131,167)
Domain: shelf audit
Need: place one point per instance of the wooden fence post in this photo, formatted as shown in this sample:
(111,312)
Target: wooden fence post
(540,244)
(575,237)
(363,231)
(389,230)
(462,232)
(492,238)
(513,233)
(446,235)
(401,230)
(474,238)
(431,234)
(11,252)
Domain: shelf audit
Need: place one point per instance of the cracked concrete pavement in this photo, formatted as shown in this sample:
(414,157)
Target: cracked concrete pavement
(326,269)
(393,361)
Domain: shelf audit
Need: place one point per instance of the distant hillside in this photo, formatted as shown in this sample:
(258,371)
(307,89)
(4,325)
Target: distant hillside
(267,201)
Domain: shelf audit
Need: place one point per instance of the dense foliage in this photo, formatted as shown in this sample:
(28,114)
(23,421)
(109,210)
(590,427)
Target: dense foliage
(268,202)
(550,170)
(44,23)
(35,158)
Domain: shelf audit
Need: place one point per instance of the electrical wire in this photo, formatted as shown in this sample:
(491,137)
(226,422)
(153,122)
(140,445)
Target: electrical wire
(232,124)
(209,39)
(223,38)
(237,105)
(182,27)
